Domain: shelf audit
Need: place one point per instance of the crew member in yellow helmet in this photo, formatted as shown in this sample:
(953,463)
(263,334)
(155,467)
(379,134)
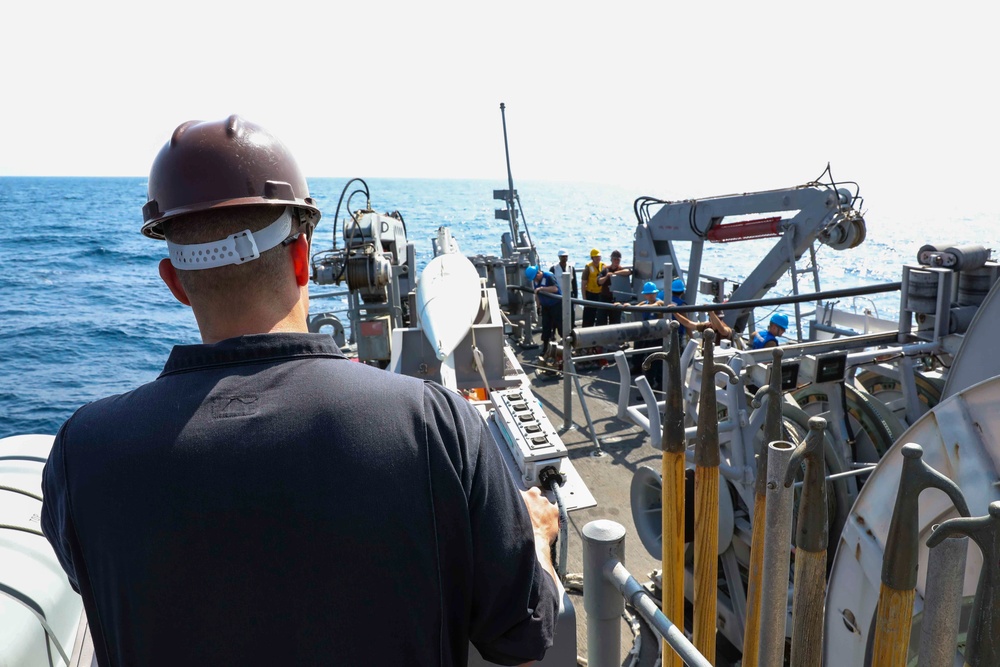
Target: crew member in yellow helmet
(592,290)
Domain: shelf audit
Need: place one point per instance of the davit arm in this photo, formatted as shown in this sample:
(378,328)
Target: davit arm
(799,216)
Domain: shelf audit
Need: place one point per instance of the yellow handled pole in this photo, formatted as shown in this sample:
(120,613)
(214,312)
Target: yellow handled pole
(811,541)
(772,432)
(899,563)
(751,635)
(706,503)
(673,445)
(706,558)
(893,621)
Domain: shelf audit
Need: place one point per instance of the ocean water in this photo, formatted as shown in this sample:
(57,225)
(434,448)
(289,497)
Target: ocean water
(83,313)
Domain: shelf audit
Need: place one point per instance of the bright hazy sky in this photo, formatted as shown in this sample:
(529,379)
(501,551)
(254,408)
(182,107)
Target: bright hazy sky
(671,99)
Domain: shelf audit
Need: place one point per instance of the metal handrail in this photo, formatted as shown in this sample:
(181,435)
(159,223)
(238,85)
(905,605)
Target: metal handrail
(607,584)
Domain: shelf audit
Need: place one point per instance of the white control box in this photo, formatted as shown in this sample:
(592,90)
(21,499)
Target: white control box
(530,437)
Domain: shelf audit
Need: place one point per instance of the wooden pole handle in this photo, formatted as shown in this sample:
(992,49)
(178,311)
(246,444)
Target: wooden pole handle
(894,619)
(706,558)
(807,608)
(673,547)
(751,636)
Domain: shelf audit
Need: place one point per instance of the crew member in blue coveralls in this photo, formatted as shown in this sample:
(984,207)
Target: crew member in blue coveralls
(266,502)
(650,297)
(545,285)
(677,298)
(769,338)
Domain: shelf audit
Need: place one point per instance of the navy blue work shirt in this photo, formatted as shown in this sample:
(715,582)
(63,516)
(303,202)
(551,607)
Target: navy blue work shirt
(265,501)
(547,298)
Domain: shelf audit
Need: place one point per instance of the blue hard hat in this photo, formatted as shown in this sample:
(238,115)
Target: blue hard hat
(677,285)
(659,295)
(780,320)
(650,288)
(531,272)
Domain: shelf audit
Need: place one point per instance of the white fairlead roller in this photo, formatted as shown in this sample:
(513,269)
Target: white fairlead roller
(237,248)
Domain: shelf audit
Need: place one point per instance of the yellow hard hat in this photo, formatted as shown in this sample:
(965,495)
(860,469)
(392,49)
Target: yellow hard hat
(594,252)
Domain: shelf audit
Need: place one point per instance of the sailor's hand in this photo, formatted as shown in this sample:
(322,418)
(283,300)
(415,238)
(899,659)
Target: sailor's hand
(543,514)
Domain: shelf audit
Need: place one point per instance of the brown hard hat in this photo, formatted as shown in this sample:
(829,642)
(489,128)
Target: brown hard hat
(216,164)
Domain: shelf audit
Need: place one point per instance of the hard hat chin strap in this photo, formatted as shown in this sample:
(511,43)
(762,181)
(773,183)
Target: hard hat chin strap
(238,248)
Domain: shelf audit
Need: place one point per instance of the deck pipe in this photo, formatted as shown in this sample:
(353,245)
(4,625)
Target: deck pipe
(899,563)
(982,647)
(603,541)
(706,502)
(772,432)
(673,445)
(942,602)
(567,351)
(825,295)
(811,541)
(616,334)
(777,539)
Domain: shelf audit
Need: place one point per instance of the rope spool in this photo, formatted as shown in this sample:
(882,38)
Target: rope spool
(967,257)
(924,255)
(921,294)
(955,257)
(367,271)
(974,285)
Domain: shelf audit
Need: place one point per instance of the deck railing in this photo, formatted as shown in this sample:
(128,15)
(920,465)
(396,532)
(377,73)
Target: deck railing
(607,585)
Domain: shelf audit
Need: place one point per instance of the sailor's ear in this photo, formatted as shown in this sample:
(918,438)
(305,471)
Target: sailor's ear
(168,274)
(300,260)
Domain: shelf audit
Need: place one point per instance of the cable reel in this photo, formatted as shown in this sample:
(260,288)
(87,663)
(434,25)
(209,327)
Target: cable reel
(848,230)
(368,270)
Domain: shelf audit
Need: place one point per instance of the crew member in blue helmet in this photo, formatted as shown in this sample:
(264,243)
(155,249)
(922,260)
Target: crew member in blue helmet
(722,330)
(677,292)
(545,285)
(769,338)
(650,297)
(677,298)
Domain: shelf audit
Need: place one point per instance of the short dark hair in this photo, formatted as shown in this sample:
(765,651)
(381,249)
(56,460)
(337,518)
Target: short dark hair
(225,282)
(616,253)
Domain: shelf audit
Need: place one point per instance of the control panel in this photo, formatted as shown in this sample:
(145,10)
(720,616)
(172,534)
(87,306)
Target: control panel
(528,433)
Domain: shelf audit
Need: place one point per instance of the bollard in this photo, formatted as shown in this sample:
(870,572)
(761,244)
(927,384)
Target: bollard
(777,543)
(943,602)
(673,445)
(603,541)
(982,648)
(811,540)
(706,503)
(772,432)
(894,616)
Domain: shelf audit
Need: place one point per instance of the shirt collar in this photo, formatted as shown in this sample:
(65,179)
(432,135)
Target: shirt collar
(253,348)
